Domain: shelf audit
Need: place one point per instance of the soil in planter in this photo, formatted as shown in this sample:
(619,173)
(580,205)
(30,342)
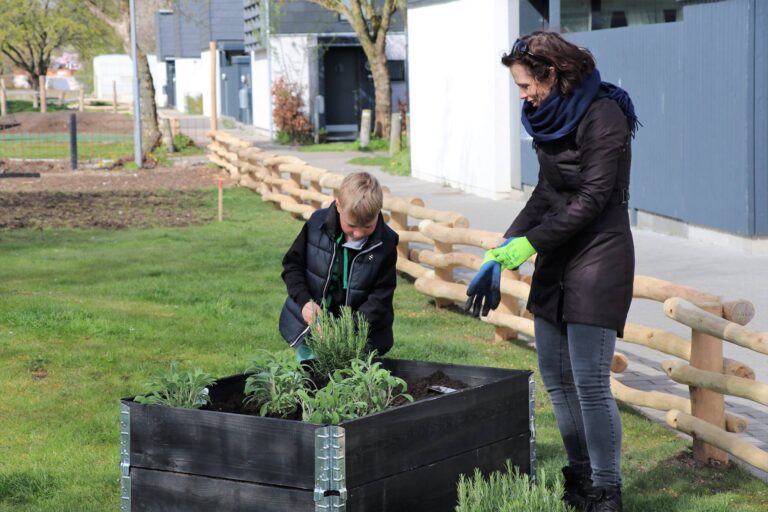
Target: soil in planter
(418,388)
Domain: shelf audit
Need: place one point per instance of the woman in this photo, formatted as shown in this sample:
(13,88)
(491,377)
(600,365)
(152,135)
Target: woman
(577,222)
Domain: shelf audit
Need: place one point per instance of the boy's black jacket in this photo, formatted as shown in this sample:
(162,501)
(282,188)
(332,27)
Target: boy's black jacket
(372,276)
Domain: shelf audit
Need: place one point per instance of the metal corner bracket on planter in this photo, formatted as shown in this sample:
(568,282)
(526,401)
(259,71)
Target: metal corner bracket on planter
(406,458)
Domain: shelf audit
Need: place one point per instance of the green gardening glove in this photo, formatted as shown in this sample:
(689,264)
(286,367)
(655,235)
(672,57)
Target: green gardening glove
(514,254)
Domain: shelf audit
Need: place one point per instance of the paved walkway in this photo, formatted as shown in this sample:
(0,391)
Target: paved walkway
(709,268)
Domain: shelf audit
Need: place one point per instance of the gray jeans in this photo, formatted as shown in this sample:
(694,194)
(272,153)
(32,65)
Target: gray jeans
(575,365)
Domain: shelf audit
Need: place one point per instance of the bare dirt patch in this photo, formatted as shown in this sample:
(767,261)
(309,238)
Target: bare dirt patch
(160,197)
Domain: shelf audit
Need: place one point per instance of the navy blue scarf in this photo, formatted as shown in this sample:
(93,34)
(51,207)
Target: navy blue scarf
(559,115)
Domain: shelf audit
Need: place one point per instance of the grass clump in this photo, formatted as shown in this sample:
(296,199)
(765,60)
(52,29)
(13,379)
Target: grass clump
(510,491)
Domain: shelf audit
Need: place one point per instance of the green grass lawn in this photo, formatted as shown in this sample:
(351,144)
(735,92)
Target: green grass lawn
(376,144)
(52,105)
(398,164)
(98,312)
(55,146)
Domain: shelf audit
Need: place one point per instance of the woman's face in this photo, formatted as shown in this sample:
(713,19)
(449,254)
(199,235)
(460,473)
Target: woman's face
(531,90)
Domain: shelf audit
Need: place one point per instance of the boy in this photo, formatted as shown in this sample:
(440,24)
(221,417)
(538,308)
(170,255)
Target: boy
(345,255)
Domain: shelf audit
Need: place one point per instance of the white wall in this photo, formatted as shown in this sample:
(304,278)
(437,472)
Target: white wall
(465,115)
(192,79)
(261,92)
(159,76)
(294,58)
(119,68)
(113,68)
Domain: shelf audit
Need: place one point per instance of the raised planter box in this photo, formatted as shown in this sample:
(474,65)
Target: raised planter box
(407,458)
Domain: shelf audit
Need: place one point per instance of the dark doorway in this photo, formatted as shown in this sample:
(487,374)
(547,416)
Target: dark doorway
(170,82)
(348,89)
(235,80)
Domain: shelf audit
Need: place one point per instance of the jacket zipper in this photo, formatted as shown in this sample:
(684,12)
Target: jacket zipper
(352,265)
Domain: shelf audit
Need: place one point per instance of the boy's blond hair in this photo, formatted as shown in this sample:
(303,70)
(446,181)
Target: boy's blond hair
(361,197)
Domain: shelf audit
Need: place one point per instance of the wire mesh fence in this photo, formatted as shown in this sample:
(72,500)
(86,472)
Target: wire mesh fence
(38,136)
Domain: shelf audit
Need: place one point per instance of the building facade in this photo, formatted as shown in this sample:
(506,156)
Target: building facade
(697,72)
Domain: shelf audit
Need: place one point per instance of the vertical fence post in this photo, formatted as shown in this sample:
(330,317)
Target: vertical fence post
(62,97)
(73,141)
(707,354)
(114,96)
(365,128)
(165,130)
(3,98)
(399,222)
(214,77)
(443,273)
(43,100)
(81,99)
(395,133)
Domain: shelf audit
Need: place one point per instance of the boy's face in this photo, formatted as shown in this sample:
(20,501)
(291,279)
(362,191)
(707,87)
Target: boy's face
(352,229)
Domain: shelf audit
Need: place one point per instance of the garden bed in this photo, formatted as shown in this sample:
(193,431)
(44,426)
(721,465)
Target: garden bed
(405,458)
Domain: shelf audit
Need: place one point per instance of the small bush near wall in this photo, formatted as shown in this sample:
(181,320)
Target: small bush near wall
(292,123)
(194,104)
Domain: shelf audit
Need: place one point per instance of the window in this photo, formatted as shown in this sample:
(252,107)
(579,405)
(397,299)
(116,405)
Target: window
(586,15)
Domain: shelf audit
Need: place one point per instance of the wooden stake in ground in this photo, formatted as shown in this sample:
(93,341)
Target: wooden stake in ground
(43,105)
(214,103)
(81,99)
(365,128)
(395,134)
(221,199)
(165,131)
(3,98)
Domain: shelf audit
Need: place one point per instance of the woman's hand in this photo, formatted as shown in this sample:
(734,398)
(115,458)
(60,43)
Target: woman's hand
(514,254)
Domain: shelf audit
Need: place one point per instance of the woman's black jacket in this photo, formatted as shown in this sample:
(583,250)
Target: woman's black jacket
(307,269)
(577,221)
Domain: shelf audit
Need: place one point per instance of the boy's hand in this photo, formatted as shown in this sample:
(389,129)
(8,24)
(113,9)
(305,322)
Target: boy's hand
(310,312)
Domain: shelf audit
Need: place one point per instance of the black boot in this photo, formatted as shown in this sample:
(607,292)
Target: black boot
(605,499)
(577,487)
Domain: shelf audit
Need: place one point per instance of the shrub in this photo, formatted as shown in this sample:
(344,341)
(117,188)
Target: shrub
(336,342)
(275,382)
(292,123)
(182,142)
(510,491)
(173,388)
(194,104)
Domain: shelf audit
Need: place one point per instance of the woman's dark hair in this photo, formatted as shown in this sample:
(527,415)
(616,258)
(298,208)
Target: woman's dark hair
(538,51)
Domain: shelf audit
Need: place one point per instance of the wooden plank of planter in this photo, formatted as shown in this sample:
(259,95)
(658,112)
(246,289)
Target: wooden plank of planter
(419,434)
(433,488)
(232,446)
(161,490)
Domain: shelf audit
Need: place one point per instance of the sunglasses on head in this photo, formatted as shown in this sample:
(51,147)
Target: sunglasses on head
(520,48)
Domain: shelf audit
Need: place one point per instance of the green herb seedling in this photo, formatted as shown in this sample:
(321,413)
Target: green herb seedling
(174,388)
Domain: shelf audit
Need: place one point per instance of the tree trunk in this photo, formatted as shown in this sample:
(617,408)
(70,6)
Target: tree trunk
(150,132)
(381,84)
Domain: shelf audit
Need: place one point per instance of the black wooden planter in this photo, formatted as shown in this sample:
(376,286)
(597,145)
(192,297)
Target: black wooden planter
(407,458)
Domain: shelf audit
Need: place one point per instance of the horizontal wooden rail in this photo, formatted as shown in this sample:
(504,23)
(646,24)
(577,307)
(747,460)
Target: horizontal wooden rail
(667,401)
(717,437)
(677,346)
(724,384)
(740,311)
(691,315)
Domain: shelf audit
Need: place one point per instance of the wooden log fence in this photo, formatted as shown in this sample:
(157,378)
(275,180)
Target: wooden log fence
(429,252)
